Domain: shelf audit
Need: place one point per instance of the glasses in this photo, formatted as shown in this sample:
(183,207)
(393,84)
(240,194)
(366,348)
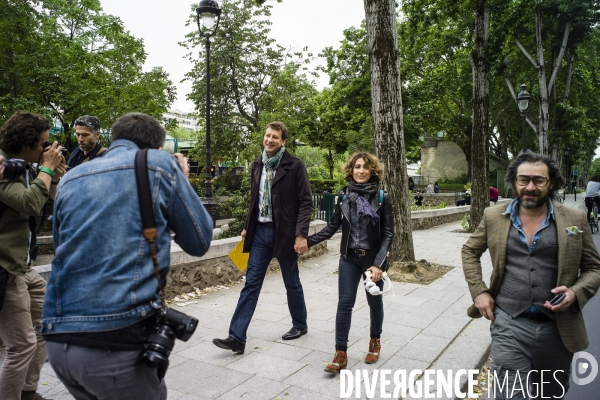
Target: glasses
(539,181)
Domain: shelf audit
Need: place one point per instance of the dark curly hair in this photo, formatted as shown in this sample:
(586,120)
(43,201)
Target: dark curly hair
(556,179)
(21,130)
(372,163)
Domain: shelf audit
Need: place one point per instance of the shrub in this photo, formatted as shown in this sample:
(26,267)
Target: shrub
(229,182)
(464,178)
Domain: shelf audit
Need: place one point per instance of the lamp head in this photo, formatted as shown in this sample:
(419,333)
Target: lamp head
(208,15)
(523,98)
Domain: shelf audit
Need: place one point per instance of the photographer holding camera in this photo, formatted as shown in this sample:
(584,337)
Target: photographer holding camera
(23,195)
(107,332)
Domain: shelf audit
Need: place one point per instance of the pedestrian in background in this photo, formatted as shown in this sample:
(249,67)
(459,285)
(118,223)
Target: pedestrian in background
(365,214)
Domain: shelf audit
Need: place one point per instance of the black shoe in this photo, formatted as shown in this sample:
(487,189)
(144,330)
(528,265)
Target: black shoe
(230,343)
(294,333)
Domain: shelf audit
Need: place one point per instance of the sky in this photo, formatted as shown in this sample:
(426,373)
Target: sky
(313,23)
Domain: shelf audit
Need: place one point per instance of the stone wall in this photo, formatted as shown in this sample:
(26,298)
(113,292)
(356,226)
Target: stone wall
(441,159)
(212,269)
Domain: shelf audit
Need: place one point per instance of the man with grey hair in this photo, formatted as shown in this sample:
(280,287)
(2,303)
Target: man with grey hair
(87,130)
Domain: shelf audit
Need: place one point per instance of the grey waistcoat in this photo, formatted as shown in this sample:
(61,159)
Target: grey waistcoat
(529,277)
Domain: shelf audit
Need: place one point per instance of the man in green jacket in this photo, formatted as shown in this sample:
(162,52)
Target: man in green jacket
(23,138)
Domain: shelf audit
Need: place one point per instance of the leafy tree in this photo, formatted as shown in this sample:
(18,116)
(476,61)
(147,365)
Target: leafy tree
(68,58)
(247,69)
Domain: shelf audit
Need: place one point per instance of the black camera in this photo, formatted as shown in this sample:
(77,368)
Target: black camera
(63,150)
(171,325)
(13,169)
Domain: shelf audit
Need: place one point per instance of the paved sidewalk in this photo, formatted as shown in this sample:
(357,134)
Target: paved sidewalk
(425,326)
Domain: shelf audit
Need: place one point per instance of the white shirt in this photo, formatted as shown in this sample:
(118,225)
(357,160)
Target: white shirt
(592,189)
(261,191)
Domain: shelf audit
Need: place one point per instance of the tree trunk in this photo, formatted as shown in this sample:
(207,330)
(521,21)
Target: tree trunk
(480,192)
(388,127)
(544,103)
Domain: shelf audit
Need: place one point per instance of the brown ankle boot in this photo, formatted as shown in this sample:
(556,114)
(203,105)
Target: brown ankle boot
(374,350)
(340,361)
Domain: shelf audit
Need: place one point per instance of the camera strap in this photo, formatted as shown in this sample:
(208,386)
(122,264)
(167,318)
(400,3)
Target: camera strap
(148,220)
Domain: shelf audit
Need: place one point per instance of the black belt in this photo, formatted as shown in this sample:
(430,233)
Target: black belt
(535,316)
(267,224)
(360,252)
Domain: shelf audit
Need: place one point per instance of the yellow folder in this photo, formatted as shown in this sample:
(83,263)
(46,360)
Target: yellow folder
(238,257)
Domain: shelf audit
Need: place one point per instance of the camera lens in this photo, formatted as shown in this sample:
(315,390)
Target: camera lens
(159,347)
(12,170)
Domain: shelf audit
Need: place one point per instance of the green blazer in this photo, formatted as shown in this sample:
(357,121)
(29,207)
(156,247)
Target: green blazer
(578,265)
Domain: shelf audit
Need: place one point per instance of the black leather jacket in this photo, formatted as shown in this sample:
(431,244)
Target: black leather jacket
(380,235)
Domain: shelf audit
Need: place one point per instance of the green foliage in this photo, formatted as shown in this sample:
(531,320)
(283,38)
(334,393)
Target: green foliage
(237,207)
(595,167)
(68,58)
(229,182)
(326,185)
(465,222)
(252,81)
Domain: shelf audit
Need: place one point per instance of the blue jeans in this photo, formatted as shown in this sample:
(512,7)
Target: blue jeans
(350,274)
(261,254)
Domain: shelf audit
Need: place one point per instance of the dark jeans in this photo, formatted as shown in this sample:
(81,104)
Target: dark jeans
(350,275)
(96,374)
(261,254)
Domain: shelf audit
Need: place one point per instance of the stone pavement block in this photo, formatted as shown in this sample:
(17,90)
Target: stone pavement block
(400,302)
(321,315)
(431,307)
(451,297)
(315,340)
(204,380)
(267,366)
(427,293)
(255,388)
(425,347)
(219,325)
(478,328)
(324,326)
(298,393)
(400,289)
(280,307)
(409,319)
(270,316)
(50,386)
(276,349)
(313,378)
(320,359)
(206,351)
(269,330)
(446,327)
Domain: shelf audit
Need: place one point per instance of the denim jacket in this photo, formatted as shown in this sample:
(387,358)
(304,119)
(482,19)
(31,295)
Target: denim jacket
(102,275)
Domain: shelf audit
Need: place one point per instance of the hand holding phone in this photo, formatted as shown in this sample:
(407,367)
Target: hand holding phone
(557,299)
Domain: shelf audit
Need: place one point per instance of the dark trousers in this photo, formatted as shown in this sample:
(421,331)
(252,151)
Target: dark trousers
(350,274)
(589,202)
(261,254)
(520,345)
(97,374)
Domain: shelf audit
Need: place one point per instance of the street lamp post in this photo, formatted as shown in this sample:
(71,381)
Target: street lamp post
(523,102)
(208,17)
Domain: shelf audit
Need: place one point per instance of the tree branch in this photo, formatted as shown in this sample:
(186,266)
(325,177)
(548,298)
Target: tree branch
(561,53)
(525,52)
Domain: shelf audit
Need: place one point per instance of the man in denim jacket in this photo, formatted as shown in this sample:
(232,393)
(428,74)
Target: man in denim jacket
(101,300)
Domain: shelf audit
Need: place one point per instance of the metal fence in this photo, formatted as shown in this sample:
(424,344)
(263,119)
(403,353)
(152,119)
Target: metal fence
(324,203)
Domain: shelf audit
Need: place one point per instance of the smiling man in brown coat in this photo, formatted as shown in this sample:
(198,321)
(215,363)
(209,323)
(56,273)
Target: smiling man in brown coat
(539,249)
(277,223)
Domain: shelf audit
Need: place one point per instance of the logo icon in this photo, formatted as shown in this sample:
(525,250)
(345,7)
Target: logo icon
(581,368)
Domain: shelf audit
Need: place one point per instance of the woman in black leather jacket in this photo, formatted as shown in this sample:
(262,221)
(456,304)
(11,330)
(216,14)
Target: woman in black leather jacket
(365,214)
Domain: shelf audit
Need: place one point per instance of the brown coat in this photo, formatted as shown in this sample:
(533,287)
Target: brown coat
(578,265)
(292,204)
